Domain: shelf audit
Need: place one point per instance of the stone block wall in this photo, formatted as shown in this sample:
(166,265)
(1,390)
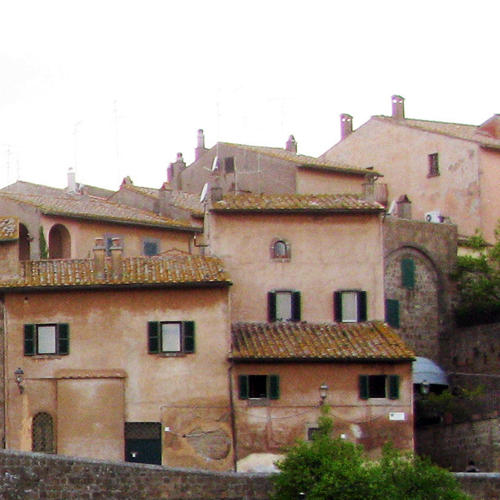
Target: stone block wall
(35,476)
(453,445)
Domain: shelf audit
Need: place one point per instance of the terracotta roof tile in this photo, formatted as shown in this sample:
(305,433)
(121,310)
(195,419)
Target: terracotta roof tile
(144,271)
(296,202)
(89,207)
(302,160)
(371,341)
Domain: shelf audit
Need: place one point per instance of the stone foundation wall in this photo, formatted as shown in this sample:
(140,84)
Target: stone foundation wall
(35,476)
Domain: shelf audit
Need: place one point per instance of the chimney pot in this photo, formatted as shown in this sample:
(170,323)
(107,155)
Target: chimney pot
(398,107)
(345,125)
(71,181)
(200,148)
(291,144)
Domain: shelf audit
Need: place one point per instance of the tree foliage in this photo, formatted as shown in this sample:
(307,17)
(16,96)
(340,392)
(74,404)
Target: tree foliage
(478,280)
(44,253)
(326,469)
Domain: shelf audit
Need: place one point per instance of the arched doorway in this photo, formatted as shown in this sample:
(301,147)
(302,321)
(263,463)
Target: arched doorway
(59,242)
(42,433)
(24,243)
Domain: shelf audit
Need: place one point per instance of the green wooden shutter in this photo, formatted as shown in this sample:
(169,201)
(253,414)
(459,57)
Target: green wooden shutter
(271,306)
(29,340)
(273,389)
(243,386)
(393,386)
(392,312)
(296,307)
(188,333)
(337,306)
(153,336)
(364,392)
(63,338)
(408,273)
(362,307)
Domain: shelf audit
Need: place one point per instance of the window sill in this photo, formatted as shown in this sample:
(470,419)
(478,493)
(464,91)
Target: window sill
(170,354)
(429,176)
(45,356)
(258,402)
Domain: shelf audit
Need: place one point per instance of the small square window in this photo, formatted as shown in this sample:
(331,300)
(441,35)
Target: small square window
(280,250)
(379,386)
(433,165)
(229,164)
(150,248)
(259,387)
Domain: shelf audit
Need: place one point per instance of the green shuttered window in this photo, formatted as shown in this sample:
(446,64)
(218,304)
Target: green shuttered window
(46,339)
(379,386)
(283,305)
(408,273)
(349,306)
(392,313)
(259,387)
(171,337)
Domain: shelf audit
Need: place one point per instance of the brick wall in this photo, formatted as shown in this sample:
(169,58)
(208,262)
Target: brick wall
(35,476)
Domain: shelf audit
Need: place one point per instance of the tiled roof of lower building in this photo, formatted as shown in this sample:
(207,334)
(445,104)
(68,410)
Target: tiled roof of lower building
(296,203)
(144,271)
(290,341)
(94,208)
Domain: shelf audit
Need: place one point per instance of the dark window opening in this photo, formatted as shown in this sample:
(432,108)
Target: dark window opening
(229,164)
(433,165)
(379,386)
(259,387)
(151,248)
(42,433)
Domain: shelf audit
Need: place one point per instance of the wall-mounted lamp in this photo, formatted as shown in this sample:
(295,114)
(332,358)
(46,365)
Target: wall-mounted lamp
(425,387)
(19,379)
(323,393)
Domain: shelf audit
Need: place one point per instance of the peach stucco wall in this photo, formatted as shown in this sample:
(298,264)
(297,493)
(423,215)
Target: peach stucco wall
(329,252)
(271,425)
(319,182)
(401,154)
(490,191)
(184,393)
(83,234)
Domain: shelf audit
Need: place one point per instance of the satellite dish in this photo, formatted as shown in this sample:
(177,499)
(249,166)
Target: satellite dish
(391,208)
(203,194)
(215,163)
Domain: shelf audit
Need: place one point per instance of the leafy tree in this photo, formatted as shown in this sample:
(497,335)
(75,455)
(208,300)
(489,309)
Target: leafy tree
(326,469)
(44,253)
(478,280)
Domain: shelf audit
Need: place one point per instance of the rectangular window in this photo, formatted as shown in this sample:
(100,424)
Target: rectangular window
(259,387)
(171,337)
(150,247)
(229,164)
(392,312)
(349,306)
(284,305)
(379,386)
(52,339)
(433,165)
(408,273)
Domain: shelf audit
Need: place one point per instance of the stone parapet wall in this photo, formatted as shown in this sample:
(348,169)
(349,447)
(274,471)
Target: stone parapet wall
(35,476)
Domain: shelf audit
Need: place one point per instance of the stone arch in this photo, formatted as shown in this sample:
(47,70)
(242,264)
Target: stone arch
(24,243)
(419,306)
(59,242)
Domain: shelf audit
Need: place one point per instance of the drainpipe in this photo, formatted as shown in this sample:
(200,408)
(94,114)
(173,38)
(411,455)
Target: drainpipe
(233,415)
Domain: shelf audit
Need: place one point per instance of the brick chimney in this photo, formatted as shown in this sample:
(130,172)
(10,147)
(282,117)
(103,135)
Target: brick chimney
(99,257)
(291,144)
(345,125)
(165,198)
(174,172)
(398,107)
(200,148)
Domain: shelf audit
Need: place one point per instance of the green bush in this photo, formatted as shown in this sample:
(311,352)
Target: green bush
(335,469)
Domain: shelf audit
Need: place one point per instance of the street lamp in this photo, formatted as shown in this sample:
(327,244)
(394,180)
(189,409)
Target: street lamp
(323,392)
(425,387)
(19,379)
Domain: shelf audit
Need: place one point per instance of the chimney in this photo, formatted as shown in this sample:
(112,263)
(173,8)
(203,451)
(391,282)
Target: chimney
(165,198)
(291,144)
(116,258)
(398,107)
(174,172)
(71,181)
(216,191)
(345,125)
(200,148)
(403,207)
(99,257)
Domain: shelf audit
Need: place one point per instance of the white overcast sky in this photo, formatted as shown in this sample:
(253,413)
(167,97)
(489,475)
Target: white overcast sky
(137,79)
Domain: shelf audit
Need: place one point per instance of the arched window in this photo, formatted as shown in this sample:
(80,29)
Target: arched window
(59,242)
(280,249)
(42,433)
(24,243)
